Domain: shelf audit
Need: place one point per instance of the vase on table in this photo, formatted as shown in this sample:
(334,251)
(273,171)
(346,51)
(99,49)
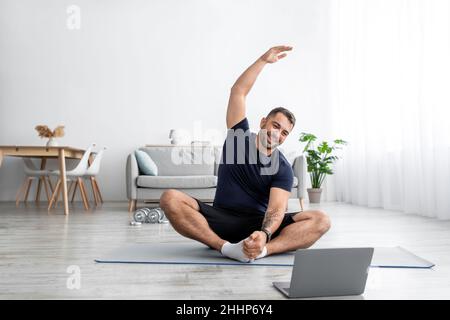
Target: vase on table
(52,142)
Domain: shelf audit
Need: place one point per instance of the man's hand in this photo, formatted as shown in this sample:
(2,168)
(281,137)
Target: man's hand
(254,244)
(274,54)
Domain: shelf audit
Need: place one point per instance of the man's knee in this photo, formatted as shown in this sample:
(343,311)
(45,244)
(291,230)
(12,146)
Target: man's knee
(168,200)
(323,221)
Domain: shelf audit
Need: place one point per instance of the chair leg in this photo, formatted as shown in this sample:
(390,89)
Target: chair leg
(94,192)
(40,180)
(69,189)
(74,190)
(38,192)
(58,194)
(46,188)
(55,192)
(20,191)
(83,194)
(50,184)
(98,190)
(30,180)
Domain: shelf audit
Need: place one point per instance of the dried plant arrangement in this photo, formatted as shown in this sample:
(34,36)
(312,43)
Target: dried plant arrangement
(46,132)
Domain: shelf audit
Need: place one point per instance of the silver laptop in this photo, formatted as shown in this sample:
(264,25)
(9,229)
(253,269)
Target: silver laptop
(328,272)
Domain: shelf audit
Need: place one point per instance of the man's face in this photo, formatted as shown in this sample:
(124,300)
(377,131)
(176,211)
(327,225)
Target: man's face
(274,130)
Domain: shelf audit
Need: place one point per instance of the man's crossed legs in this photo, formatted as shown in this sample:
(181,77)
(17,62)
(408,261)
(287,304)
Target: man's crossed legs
(184,214)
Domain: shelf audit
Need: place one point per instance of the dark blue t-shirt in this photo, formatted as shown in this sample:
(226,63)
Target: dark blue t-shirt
(246,175)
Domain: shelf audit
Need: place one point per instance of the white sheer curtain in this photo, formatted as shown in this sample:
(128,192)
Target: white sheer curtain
(391,101)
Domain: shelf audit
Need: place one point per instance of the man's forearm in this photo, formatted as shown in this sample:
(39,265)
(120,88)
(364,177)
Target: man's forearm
(273,219)
(246,81)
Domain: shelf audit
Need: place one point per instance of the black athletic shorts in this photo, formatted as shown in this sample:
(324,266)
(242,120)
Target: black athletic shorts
(234,226)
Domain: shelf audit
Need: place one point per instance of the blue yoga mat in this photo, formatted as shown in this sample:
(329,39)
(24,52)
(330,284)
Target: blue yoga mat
(197,254)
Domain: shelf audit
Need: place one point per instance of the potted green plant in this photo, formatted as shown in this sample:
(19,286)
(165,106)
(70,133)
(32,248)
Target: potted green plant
(319,161)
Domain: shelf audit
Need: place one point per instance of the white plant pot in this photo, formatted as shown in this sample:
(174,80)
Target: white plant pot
(52,142)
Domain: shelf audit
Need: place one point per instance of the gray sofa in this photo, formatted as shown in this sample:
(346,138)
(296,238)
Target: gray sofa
(190,169)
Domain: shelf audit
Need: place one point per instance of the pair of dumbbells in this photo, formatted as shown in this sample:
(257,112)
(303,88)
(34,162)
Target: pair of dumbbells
(150,215)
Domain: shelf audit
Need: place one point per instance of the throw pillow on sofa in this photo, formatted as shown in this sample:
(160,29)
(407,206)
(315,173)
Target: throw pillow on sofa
(146,165)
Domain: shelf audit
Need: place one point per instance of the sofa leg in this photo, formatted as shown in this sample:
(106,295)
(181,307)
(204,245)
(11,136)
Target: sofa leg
(302,204)
(131,205)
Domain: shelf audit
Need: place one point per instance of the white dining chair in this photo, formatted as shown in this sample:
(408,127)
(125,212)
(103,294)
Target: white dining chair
(34,174)
(92,173)
(73,175)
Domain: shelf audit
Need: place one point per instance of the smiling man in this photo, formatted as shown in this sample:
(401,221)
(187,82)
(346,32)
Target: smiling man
(248,219)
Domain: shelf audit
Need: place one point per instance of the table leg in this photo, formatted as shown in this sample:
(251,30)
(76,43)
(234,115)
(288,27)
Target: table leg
(62,170)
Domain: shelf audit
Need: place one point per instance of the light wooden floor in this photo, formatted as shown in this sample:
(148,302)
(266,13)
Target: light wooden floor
(36,249)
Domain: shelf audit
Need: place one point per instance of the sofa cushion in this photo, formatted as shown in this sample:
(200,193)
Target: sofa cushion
(196,182)
(181,182)
(145,163)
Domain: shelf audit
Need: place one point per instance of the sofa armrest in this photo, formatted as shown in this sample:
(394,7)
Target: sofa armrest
(299,168)
(132,172)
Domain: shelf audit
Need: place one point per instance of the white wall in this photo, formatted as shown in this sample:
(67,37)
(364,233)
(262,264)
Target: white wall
(138,68)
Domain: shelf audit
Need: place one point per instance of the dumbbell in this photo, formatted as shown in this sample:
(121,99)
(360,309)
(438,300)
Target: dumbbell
(156,215)
(162,216)
(147,215)
(152,216)
(140,215)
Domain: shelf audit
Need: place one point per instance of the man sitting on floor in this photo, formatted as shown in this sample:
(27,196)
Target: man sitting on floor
(247,220)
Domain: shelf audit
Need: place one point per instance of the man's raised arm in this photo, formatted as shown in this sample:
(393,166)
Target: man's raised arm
(243,85)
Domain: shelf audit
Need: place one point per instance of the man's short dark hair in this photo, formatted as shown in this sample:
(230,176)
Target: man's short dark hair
(284,111)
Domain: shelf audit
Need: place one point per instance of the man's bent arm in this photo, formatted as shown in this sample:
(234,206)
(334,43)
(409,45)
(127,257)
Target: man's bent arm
(254,244)
(243,85)
(276,209)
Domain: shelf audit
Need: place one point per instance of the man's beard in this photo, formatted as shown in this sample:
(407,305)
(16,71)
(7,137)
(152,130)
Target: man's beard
(266,140)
